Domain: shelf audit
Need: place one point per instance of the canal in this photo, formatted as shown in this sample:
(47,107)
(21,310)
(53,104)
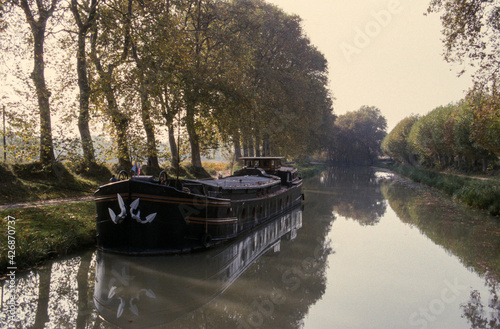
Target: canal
(367,250)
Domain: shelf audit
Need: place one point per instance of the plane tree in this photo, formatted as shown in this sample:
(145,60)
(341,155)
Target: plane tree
(110,47)
(395,143)
(280,98)
(471,35)
(357,136)
(84,14)
(37,15)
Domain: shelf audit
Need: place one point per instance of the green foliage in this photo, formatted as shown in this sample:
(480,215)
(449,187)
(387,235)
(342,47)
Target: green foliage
(485,108)
(356,136)
(214,71)
(395,144)
(462,136)
(428,137)
(471,35)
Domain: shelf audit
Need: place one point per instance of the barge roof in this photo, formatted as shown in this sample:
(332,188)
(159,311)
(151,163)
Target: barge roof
(242,182)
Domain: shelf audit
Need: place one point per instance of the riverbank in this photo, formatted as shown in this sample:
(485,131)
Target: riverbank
(32,182)
(478,192)
(44,232)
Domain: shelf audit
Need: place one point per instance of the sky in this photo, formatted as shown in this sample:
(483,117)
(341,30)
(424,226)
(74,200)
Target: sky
(383,53)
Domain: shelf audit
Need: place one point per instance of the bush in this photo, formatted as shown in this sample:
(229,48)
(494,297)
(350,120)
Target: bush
(92,170)
(39,171)
(481,194)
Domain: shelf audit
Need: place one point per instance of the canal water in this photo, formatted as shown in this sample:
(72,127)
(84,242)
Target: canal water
(367,250)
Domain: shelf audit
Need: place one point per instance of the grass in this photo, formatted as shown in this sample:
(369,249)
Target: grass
(46,232)
(479,193)
(33,182)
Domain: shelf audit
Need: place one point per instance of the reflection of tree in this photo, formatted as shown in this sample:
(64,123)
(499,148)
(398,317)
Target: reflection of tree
(27,292)
(42,315)
(51,296)
(475,313)
(468,234)
(82,278)
(279,288)
(355,193)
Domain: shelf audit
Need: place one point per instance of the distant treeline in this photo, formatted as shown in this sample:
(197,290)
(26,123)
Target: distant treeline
(234,74)
(464,136)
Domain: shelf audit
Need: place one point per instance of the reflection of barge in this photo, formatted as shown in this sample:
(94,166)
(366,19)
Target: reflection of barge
(143,292)
(143,215)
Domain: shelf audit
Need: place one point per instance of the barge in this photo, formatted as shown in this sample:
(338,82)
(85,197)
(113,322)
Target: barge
(149,215)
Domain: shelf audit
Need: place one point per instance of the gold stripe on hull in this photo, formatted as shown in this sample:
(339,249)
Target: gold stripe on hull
(211,221)
(170,200)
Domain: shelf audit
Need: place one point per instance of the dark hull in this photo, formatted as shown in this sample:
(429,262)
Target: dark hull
(144,292)
(144,217)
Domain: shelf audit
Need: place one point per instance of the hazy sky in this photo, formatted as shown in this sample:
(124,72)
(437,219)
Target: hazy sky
(384,53)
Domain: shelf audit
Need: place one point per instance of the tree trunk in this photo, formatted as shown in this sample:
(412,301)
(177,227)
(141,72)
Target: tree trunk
(83,117)
(266,148)
(485,165)
(237,147)
(250,147)
(193,135)
(173,146)
(149,128)
(146,112)
(257,147)
(120,123)
(83,82)
(38,75)
(118,119)
(245,147)
(257,142)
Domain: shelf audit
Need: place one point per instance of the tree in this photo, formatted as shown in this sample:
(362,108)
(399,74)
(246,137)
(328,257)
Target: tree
(110,48)
(427,137)
(274,83)
(486,119)
(471,32)
(357,136)
(141,47)
(37,16)
(395,143)
(201,62)
(466,148)
(84,24)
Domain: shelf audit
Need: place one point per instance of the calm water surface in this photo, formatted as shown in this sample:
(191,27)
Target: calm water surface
(368,250)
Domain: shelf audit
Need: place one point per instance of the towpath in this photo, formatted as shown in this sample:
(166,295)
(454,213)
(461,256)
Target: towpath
(31,204)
